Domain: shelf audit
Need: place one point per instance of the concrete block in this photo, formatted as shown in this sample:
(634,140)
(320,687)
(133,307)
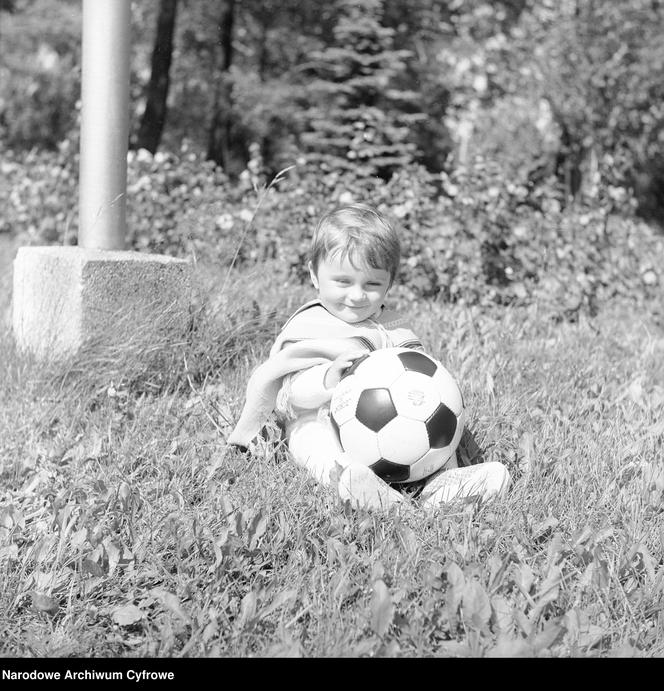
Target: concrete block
(66,297)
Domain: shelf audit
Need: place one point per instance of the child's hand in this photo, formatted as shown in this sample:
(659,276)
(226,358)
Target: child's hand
(339,366)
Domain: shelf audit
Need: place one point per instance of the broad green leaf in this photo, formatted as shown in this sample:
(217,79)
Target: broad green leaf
(44,603)
(78,538)
(113,553)
(510,647)
(171,602)
(9,552)
(552,632)
(596,574)
(124,495)
(256,529)
(541,529)
(524,576)
(247,609)
(527,456)
(382,608)
(126,615)
(456,582)
(502,613)
(91,567)
(580,631)
(548,591)
(282,598)
(475,605)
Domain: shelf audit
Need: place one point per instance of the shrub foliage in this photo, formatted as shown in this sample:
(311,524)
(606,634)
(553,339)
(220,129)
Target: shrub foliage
(471,237)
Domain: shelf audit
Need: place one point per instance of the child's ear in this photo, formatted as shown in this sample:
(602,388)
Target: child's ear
(312,273)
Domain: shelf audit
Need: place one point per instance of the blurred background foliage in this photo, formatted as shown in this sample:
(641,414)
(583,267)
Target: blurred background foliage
(517,142)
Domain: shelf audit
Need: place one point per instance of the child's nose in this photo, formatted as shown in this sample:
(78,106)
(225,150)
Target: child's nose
(357,292)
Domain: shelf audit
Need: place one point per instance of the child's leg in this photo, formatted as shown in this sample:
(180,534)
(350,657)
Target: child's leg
(314,446)
(485,481)
(364,489)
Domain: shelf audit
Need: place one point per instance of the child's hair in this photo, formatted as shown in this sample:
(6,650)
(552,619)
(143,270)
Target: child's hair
(359,232)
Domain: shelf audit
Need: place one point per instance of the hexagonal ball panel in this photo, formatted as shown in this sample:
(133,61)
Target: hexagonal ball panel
(430,463)
(450,394)
(359,442)
(380,369)
(441,427)
(403,440)
(375,408)
(415,396)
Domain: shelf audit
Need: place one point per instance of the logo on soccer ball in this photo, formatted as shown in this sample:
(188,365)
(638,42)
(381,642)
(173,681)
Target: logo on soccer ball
(342,402)
(416,397)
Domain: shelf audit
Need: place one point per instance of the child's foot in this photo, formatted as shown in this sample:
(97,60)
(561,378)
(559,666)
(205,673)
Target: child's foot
(364,489)
(484,481)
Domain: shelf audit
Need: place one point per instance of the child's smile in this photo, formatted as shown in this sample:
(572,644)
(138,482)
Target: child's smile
(348,292)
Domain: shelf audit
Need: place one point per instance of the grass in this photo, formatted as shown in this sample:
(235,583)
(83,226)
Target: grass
(126,530)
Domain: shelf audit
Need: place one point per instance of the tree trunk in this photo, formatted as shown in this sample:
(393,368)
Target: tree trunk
(219,134)
(154,116)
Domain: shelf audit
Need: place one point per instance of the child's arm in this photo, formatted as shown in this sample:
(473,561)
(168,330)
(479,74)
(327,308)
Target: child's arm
(313,387)
(307,388)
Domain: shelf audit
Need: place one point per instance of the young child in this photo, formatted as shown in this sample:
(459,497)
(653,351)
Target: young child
(354,259)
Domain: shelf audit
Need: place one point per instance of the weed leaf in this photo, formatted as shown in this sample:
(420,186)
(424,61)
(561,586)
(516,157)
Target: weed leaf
(126,615)
(247,609)
(171,602)
(113,552)
(456,581)
(44,603)
(9,552)
(548,592)
(502,613)
(284,597)
(256,529)
(382,608)
(510,647)
(475,605)
(78,538)
(580,632)
(527,448)
(524,577)
(543,529)
(552,632)
(91,567)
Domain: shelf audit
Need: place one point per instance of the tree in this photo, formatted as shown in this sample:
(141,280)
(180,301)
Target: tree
(360,112)
(221,147)
(154,115)
(599,68)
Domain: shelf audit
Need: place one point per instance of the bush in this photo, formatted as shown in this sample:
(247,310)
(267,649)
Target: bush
(40,76)
(473,237)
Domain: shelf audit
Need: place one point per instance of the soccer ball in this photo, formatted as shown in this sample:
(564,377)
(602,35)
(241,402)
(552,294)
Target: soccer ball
(398,411)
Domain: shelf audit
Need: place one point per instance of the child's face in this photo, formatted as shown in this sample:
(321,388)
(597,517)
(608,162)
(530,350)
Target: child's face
(348,292)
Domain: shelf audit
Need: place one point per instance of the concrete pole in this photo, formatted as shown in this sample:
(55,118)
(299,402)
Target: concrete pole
(104,124)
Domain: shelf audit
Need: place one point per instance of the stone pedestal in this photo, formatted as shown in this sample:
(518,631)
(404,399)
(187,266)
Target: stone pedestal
(67,297)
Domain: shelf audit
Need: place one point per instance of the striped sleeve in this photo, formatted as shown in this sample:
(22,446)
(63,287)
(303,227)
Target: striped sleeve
(413,343)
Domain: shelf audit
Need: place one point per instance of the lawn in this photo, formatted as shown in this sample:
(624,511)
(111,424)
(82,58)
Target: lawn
(126,529)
